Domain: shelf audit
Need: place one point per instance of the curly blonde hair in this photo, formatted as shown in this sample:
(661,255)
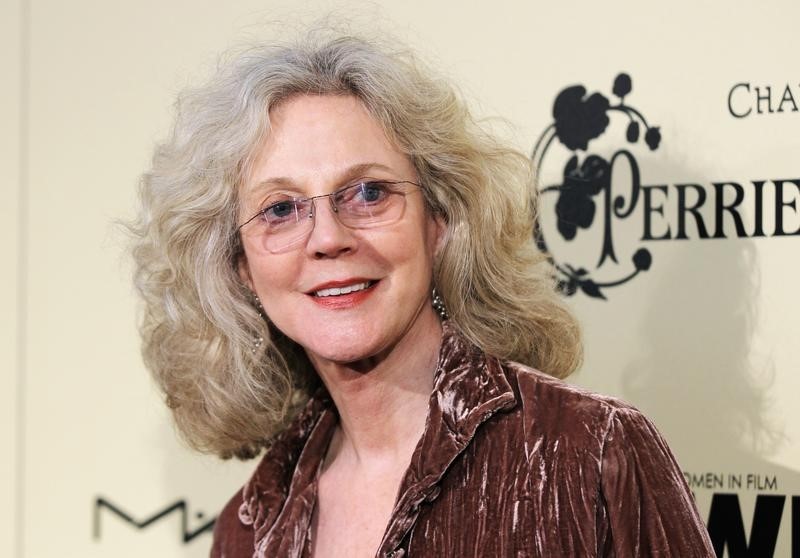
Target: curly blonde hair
(231,397)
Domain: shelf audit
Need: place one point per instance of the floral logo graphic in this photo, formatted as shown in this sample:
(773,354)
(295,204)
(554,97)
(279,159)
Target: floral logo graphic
(585,192)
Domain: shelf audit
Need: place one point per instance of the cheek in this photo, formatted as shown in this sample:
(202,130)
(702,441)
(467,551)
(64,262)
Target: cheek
(414,252)
(280,308)
(273,279)
(408,244)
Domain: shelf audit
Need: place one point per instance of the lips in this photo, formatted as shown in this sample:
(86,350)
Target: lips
(337,291)
(343,287)
(342,294)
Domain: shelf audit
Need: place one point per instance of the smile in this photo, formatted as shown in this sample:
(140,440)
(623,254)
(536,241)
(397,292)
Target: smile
(338,291)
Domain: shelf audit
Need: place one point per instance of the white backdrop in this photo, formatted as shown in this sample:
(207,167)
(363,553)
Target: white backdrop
(703,341)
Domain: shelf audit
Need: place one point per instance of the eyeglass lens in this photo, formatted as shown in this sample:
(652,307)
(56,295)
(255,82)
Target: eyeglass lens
(285,221)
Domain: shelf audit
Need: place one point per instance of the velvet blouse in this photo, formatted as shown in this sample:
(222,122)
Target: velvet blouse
(512,463)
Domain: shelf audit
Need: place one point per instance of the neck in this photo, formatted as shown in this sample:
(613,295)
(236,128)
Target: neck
(383,404)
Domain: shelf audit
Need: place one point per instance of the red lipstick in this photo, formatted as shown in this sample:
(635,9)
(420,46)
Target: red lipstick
(335,295)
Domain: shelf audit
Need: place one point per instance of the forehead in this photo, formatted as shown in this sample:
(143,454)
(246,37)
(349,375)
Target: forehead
(315,140)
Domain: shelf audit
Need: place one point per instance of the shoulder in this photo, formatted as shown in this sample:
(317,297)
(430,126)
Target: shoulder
(569,412)
(258,502)
(232,537)
(605,434)
(608,445)
(255,507)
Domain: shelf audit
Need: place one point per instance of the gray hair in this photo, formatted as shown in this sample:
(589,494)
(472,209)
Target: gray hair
(231,397)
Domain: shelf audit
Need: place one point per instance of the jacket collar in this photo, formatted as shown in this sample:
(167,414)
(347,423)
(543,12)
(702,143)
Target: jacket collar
(469,387)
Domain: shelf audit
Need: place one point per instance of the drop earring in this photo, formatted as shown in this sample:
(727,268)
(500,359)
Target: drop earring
(258,340)
(438,304)
(258,305)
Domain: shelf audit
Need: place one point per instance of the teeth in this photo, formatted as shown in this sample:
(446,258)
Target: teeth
(335,291)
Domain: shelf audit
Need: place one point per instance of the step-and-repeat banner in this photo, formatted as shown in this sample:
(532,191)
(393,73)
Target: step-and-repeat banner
(677,248)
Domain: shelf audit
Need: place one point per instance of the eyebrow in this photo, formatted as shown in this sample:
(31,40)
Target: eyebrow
(348,174)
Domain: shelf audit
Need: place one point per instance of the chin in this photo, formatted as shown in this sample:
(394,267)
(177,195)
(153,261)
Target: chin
(344,345)
(344,351)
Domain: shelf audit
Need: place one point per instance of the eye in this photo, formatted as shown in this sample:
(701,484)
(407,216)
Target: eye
(371,192)
(280,212)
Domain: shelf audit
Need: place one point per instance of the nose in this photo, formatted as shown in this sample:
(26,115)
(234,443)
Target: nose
(328,237)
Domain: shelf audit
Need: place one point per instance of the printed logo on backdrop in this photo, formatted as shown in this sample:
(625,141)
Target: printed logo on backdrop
(746,99)
(604,217)
(104,507)
(586,197)
(726,525)
(599,220)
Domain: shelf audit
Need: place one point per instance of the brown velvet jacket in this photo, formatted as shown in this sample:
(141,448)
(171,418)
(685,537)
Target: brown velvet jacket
(512,463)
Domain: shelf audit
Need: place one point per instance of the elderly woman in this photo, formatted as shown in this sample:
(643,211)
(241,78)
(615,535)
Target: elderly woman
(338,268)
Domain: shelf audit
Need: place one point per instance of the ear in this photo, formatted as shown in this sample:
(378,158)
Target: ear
(439,230)
(243,268)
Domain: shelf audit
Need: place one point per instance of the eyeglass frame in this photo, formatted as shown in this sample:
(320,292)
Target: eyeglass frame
(334,208)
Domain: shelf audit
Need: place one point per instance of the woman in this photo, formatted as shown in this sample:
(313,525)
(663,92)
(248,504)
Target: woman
(337,266)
